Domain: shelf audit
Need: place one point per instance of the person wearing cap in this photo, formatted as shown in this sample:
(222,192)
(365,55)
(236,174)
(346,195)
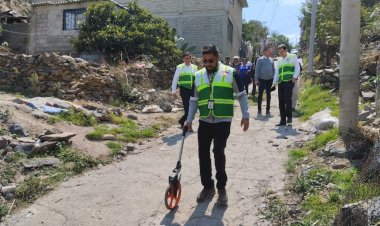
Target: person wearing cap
(215,86)
(236,64)
(288,70)
(184,78)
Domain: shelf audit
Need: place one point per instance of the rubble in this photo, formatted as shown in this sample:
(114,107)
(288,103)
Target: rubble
(58,137)
(40,162)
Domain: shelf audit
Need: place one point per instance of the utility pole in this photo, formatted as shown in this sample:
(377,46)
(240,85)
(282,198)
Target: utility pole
(349,61)
(310,63)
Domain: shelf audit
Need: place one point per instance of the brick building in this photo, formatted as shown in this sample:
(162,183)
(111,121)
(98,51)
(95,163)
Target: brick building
(198,21)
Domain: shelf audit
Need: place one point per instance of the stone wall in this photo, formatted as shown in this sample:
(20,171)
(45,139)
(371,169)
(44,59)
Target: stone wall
(74,78)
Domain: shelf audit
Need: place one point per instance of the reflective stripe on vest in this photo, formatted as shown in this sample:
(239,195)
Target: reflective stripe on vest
(220,92)
(286,72)
(186,78)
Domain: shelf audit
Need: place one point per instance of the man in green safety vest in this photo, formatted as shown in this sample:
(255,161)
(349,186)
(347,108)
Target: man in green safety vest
(184,78)
(288,69)
(215,86)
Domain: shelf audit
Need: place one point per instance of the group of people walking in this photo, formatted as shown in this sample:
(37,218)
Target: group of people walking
(212,91)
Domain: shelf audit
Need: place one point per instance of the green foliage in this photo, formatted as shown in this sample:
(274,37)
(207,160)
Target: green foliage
(128,130)
(3,211)
(77,118)
(314,99)
(125,33)
(254,31)
(30,189)
(322,139)
(34,84)
(328,26)
(81,162)
(115,147)
(281,39)
(8,173)
(14,157)
(5,116)
(183,45)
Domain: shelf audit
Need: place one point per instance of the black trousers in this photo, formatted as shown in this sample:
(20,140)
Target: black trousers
(185,96)
(245,83)
(285,90)
(217,132)
(264,85)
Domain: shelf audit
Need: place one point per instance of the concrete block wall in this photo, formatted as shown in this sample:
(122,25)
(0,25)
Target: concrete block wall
(47,34)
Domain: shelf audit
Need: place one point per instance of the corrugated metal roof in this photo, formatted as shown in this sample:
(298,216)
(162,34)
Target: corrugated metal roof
(61,2)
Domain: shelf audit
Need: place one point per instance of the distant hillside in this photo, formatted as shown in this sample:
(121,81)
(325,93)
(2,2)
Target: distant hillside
(20,6)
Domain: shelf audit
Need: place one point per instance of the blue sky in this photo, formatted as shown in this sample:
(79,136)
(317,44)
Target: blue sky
(279,15)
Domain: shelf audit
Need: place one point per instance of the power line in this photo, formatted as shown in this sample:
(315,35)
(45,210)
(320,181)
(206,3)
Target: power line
(274,13)
(262,10)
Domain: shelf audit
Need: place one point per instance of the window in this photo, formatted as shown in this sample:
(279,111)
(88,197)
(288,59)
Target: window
(72,18)
(230,31)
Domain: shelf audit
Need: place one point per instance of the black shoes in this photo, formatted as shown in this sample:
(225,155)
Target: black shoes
(259,112)
(205,194)
(222,198)
(268,112)
(290,120)
(281,124)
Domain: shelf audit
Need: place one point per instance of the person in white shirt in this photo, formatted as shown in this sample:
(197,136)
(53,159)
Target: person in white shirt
(288,70)
(296,87)
(184,79)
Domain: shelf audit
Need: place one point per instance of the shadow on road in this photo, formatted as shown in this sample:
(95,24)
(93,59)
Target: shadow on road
(168,219)
(199,217)
(286,131)
(173,140)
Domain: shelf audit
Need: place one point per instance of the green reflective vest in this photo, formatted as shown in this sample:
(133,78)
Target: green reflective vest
(286,69)
(219,91)
(186,77)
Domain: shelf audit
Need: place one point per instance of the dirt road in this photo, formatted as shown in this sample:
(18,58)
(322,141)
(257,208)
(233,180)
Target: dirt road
(131,192)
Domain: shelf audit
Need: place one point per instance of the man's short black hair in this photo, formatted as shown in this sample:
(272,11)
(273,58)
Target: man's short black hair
(283,46)
(210,49)
(227,57)
(186,54)
(266,49)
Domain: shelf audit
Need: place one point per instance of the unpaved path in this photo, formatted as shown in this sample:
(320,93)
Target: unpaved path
(131,192)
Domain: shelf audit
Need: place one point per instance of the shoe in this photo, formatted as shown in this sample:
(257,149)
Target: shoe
(259,112)
(281,124)
(268,112)
(290,120)
(205,194)
(222,197)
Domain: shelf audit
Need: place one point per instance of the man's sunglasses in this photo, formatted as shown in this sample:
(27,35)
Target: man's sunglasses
(208,61)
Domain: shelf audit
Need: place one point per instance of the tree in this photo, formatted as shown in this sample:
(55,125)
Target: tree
(254,32)
(279,39)
(125,33)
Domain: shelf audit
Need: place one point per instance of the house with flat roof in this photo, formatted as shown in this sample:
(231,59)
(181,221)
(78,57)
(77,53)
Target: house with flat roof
(200,22)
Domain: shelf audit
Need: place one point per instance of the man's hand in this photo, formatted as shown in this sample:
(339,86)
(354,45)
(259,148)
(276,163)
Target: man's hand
(245,124)
(188,125)
(294,80)
(174,95)
(257,82)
